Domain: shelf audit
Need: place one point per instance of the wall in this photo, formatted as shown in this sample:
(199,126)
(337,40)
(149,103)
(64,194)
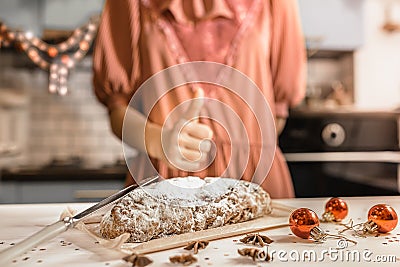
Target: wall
(61,127)
(377,63)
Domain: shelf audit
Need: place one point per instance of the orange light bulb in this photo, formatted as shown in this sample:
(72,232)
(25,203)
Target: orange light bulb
(52,51)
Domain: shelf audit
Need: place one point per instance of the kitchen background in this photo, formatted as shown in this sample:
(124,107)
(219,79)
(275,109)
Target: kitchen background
(60,148)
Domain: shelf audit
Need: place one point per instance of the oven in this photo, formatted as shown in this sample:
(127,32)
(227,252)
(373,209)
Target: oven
(352,153)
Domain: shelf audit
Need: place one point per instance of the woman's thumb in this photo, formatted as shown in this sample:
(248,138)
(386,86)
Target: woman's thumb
(195,105)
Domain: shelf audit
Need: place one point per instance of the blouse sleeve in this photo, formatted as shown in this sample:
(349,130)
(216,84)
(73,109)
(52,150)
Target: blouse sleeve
(288,57)
(115,57)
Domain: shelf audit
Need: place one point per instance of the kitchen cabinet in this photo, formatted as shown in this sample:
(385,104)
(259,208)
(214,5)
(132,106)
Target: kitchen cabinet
(61,14)
(328,24)
(57,191)
(37,15)
(8,193)
(22,14)
(332,24)
(60,184)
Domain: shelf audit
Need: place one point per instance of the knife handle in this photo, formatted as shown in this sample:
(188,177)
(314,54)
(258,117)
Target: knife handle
(47,233)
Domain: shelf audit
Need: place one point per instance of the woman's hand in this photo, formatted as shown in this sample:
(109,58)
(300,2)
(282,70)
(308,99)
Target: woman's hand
(186,145)
(280,125)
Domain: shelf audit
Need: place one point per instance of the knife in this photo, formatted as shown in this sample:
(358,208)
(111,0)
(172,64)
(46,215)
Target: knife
(52,230)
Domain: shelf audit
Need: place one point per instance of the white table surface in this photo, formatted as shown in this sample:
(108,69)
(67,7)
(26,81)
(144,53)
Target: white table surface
(75,248)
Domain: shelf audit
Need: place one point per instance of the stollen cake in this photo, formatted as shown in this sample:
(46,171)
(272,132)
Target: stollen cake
(181,205)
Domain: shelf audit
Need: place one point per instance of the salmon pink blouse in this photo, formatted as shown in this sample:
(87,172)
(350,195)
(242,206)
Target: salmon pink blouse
(260,38)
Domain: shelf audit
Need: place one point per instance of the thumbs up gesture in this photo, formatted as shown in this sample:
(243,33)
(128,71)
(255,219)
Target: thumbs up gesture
(185,146)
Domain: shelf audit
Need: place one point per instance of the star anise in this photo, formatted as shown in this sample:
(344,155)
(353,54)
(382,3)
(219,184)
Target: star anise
(255,254)
(185,259)
(138,260)
(256,239)
(196,245)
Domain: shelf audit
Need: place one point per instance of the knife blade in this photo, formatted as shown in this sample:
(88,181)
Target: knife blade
(52,230)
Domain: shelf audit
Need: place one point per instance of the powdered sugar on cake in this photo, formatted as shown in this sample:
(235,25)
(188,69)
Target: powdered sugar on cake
(181,205)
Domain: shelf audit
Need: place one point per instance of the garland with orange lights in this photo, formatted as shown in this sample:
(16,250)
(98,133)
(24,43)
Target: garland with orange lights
(58,59)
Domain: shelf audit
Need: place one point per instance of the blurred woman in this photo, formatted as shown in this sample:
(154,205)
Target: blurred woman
(260,38)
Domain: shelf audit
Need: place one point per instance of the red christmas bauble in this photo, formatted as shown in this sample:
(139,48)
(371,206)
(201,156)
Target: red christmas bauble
(337,207)
(302,221)
(384,216)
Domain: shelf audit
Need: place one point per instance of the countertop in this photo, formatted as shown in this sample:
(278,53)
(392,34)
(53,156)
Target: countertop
(75,248)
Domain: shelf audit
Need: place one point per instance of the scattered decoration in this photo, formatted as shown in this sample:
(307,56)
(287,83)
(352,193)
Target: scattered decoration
(256,239)
(185,259)
(196,245)
(138,260)
(255,254)
(58,59)
(304,223)
(336,210)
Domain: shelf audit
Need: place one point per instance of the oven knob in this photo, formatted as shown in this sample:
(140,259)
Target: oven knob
(333,134)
